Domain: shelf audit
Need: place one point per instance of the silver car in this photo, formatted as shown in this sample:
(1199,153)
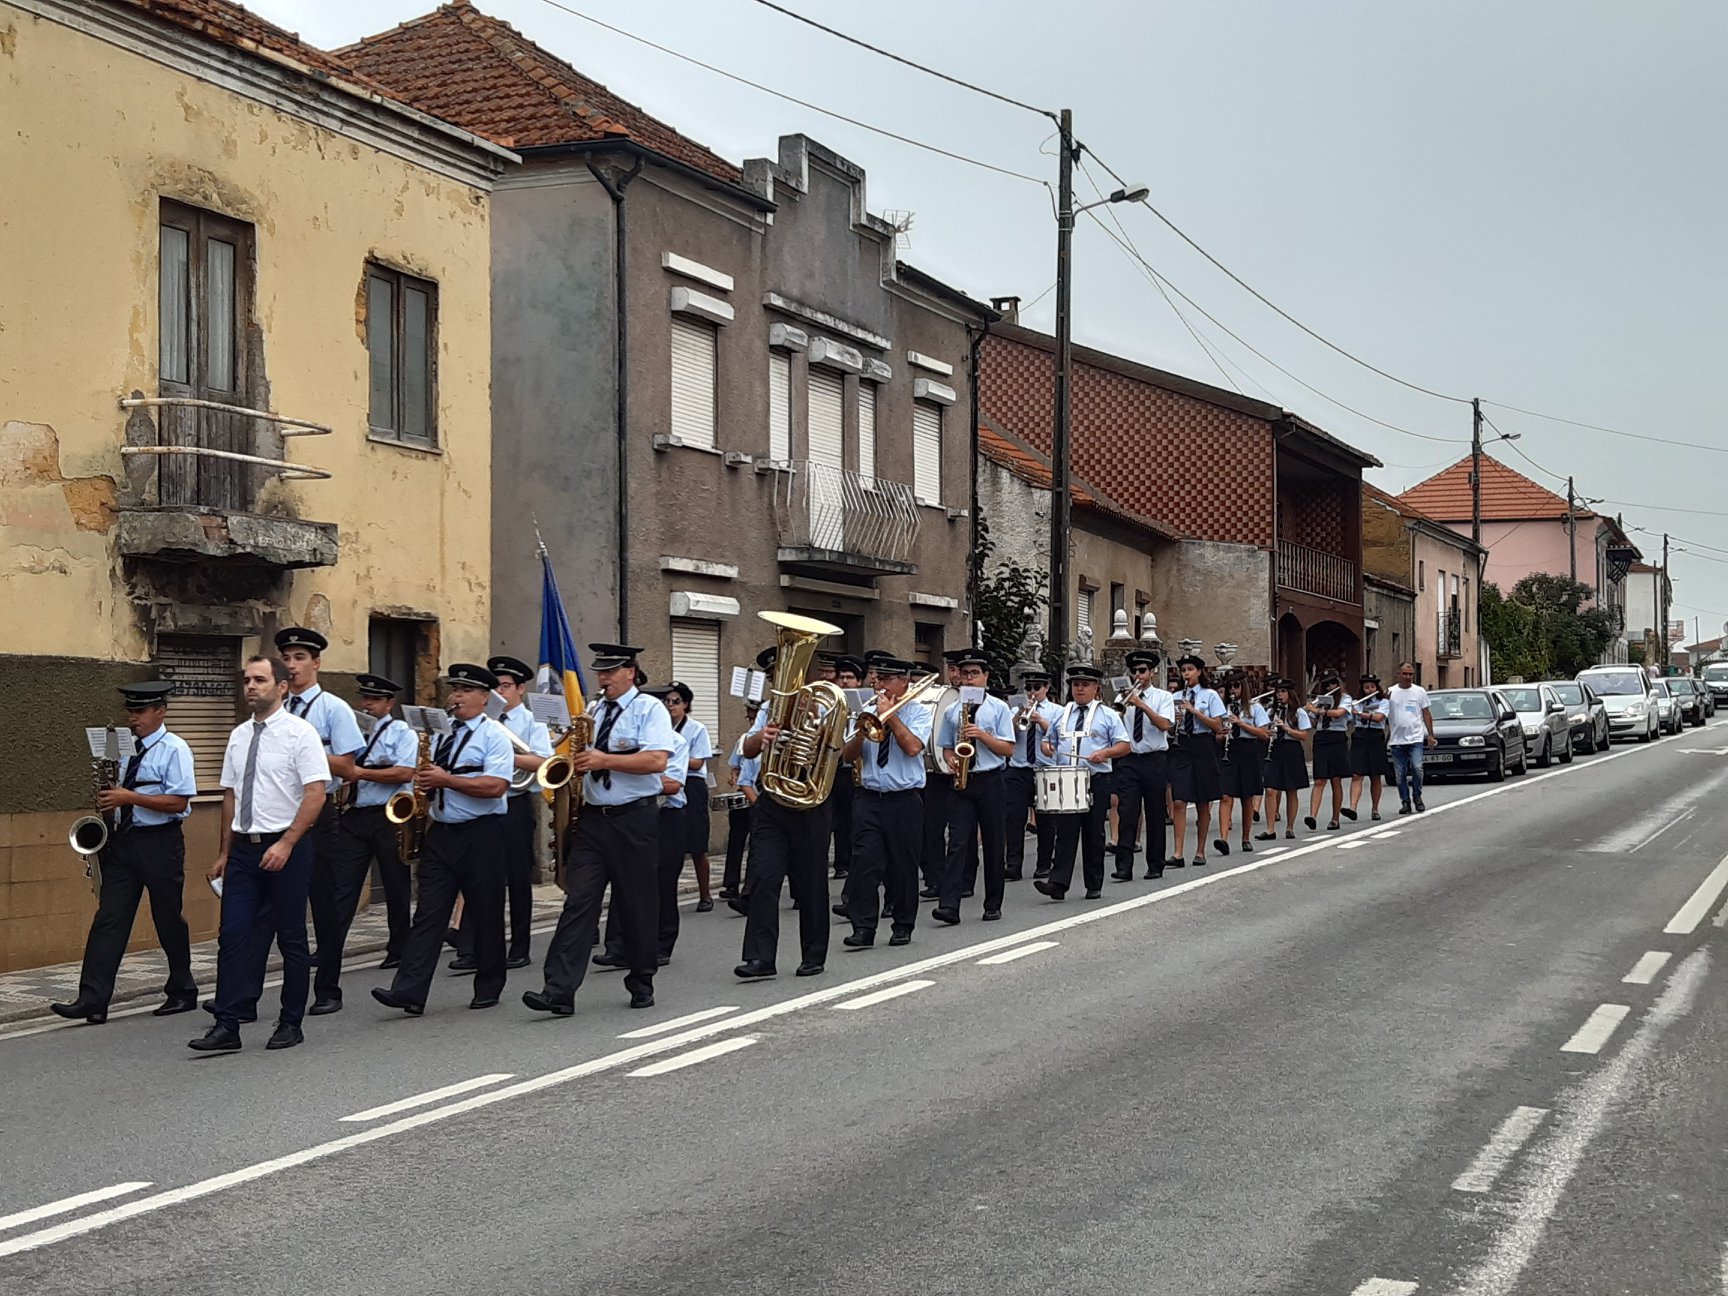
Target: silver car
(1625,691)
(1588,715)
(1668,714)
(1547,728)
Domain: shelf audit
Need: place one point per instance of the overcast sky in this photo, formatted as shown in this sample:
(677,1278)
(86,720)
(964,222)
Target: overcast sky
(1521,201)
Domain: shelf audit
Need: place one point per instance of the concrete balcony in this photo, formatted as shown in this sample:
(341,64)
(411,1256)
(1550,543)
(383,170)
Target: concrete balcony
(830,521)
(1311,571)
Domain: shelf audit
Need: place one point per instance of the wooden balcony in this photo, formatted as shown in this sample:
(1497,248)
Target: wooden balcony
(1311,571)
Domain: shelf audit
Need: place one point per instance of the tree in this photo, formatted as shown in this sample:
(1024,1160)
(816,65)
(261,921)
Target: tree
(1510,629)
(1011,600)
(1542,630)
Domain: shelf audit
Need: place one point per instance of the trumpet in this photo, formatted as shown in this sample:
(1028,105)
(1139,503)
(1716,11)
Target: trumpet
(873,725)
(89,834)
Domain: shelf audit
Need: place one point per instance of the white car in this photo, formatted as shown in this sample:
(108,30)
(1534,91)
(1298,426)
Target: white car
(1668,714)
(1632,707)
(1542,715)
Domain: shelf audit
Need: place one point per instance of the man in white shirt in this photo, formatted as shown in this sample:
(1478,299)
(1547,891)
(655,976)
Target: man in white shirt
(274,780)
(1412,728)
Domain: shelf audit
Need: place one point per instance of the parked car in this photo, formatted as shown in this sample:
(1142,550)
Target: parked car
(1476,732)
(1689,694)
(1625,691)
(1709,698)
(1585,713)
(1667,707)
(1715,678)
(1547,730)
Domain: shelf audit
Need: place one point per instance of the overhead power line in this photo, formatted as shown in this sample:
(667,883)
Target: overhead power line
(1597,427)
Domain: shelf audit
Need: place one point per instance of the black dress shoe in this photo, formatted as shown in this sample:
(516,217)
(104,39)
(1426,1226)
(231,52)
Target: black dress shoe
(452,936)
(661,960)
(704,906)
(992,915)
(754,970)
(1348,813)
(1092,893)
(1220,845)
(285,1037)
(1247,846)
(1046,887)
(1175,861)
(1040,873)
(727,893)
(947,917)
(1310,822)
(173,1006)
(478,1002)
(218,1039)
(520,961)
(859,940)
(1014,877)
(390,999)
(90,1012)
(840,910)
(1199,861)
(1120,876)
(738,904)
(930,893)
(810,969)
(641,998)
(320,1007)
(900,936)
(390,961)
(1152,874)
(466,963)
(540,1001)
(209,1006)
(1266,836)
(610,961)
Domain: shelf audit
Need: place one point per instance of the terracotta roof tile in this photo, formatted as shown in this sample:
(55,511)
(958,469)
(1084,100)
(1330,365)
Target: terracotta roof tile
(1507,495)
(1033,469)
(482,74)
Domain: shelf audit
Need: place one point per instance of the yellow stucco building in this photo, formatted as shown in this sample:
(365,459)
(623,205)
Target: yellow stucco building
(244,383)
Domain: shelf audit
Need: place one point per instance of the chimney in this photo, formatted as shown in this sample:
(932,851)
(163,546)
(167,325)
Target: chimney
(1007,307)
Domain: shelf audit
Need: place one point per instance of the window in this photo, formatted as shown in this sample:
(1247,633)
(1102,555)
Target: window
(1083,610)
(1421,577)
(779,406)
(927,452)
(1118,603)
(695,364)
(927,643)
(407,652)
(696,662)
(204,303)
(866,429)
(402,339)
(206,702)
(827,419)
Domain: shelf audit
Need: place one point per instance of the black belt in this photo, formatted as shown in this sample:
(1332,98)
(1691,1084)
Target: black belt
(978,774)
(898,792)
(371,809)
(262,839)
(134,828)
(476,822)
(611,810)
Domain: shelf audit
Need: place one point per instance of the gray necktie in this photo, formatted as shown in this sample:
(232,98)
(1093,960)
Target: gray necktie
(250,778)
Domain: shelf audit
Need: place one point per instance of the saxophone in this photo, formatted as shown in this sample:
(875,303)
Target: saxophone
(89,834)
(409,807)
(566,797)
(964,748)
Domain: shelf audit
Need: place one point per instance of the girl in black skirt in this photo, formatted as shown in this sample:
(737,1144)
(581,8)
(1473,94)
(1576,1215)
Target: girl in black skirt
(1194,778)
(1242,748)
(1368,744)
(1330,709)
(1286,768)
(678,701)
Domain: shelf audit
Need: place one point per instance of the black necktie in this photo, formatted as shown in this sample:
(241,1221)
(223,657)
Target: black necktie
(882,752)
(1031,729)
(609,717)
(298,706)
(130,781)
(1139,724)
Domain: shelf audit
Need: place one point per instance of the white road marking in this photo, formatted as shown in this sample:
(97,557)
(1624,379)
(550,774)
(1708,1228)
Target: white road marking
(1546,1171)
(679,1023)
(1702,751)
(707,1053)
(882,996)
(1514,1132)
(1008,956)
(1645,969)
(1597,1027)
(68,1204)
(1686,921)
(1385,1287)
(430,1096)
(1680,818)
(612,1061)
(1725,1271)
(1387,832)
(1352,845)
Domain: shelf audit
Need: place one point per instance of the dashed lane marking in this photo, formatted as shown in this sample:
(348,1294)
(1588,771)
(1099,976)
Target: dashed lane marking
(1019,952)
(679,1023)
(707,1053)
(1385,1287)
(1709,891)
(1596,1030)
(1491,1162)
(430,1096)
(68,1204)
(1645,969)
(884,995)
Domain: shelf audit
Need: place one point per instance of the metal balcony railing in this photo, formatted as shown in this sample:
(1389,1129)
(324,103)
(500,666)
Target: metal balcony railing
(1449,638)
(200,464)
(1314,572)
(820,507)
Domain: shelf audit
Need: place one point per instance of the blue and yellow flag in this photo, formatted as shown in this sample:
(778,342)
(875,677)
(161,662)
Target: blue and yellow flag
(559,665)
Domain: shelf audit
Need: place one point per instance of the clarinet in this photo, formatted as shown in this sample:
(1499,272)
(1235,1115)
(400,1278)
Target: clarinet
(1230,729)
(1277,718)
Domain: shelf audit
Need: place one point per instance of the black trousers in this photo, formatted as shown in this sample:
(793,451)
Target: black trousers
(363,835)
(840,803)
(1140,783)
(1085,832)
(793,845)
(975,811)
(934,860)
(258,908)
(620,846)
(1017,800)
(466,857)
(673,829)
(737,838)
(887,841)
(135,861)
(328,929)
(519,869)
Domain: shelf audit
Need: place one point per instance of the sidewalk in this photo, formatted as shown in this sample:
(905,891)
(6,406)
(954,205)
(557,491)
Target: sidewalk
(27,994)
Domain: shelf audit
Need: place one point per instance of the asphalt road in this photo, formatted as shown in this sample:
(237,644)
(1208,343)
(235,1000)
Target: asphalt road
(1366,1064)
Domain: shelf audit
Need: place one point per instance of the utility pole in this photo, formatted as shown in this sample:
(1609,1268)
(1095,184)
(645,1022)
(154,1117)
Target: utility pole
(1476,471)
(1059,440)
(1571,539)
(1662,604)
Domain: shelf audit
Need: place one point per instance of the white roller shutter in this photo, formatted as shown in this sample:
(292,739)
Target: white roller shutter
(694,362)
(206,702)
(866,429)
(1083,611)
(696,662)
(927,452)
(779,405)
(827,459)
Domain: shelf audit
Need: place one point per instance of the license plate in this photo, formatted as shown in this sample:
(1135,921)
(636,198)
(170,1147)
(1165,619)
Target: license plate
(1439,758)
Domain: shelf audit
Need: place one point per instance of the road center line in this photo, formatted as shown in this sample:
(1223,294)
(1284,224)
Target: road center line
(882,996)
(1514,1132)
(1352,845)
(1389,832)
(707,1053)
(679,1023)
(1645,969)
(1019,952)
(1597,1027)
(1686,921)
(1385,1287)
(68,1204)
(429,1097)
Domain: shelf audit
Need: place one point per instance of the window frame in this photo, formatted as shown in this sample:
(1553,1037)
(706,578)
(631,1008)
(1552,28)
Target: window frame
(712,331)
(400,283)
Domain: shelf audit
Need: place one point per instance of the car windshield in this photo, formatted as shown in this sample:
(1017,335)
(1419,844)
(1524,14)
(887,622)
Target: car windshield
(1570,694)
(1524,699)
(1659,689)
(1716,671)
(1681,687)
(1625,683)
(1461,706)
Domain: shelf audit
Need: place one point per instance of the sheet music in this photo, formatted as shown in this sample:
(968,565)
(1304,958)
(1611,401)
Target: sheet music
(858,699)
(740,681)
(496,706)
(549,709)
(974,694)
(366,722)
(126,746)
(1018,702)
(758,688)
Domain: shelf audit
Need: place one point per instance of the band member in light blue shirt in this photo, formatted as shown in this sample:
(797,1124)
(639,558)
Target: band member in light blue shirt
(1091,736)
(976,811)
(1368,744)
(1286,768)
(1195,778)
(1031,723)
(1149,714)
(887,810)
(674,789)
(514,676)
(696,823)
(1330,709)
(1241,753)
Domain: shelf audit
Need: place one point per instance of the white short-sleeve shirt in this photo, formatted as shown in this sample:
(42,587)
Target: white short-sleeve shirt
(290,755)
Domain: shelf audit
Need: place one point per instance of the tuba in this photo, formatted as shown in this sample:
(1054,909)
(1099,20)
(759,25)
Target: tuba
(89,834)
(798,769)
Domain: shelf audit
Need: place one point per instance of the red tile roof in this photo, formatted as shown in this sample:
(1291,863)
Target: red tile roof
(1507,495)
(1397,505)
(1034,469)
(482,74)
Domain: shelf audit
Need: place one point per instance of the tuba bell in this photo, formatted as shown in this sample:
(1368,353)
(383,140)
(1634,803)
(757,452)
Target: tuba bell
(798,769)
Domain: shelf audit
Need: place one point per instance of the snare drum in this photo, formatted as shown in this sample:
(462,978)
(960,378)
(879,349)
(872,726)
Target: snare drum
(1062,789)
(728,801)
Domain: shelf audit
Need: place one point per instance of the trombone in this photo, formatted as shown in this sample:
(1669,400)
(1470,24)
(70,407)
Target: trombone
(872,726)
(551,774)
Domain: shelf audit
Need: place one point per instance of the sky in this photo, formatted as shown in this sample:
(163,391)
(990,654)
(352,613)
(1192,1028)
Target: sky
(1519,202)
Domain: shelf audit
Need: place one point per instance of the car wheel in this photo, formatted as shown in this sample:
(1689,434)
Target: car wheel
(1497,771)
(1566,752)
(1523,758)
(1547,757)
(1648,735)
(1590,742)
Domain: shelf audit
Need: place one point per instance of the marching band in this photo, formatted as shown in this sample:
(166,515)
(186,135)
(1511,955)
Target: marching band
(926,777)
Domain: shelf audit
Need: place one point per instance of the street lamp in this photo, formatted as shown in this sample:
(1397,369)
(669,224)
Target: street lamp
(1059,441)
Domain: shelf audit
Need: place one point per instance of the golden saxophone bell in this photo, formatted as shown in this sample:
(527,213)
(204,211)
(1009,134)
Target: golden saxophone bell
(399,809)
(554,772)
